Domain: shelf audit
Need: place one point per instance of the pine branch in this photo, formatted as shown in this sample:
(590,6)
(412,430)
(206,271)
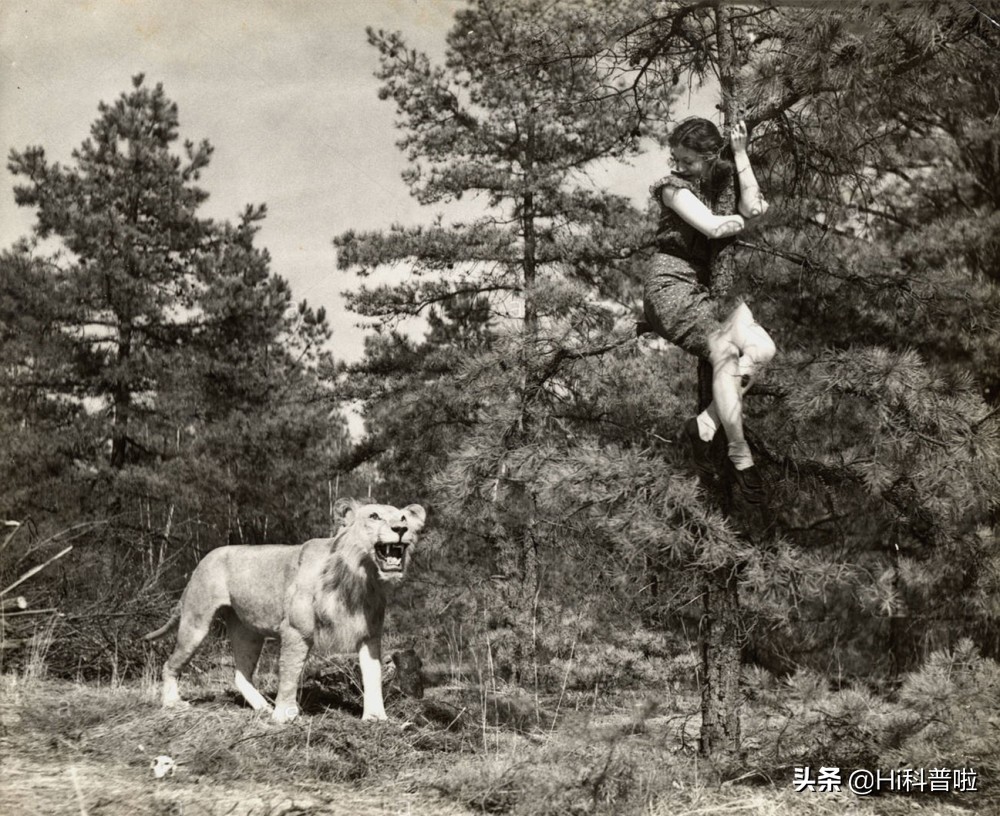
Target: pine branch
(367,450)
(423,303)
(563,353)
(878,283)
(983,420)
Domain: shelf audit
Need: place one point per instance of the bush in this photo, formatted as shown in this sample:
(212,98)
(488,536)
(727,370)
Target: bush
(950,715)
(945,715)
(804,722)
(549,780)
(627,660)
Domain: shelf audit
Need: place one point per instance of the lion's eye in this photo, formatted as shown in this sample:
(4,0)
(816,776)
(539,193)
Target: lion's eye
(374,516)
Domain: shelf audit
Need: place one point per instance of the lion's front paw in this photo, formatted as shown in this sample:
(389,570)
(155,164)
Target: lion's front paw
(284,714)
(374,716)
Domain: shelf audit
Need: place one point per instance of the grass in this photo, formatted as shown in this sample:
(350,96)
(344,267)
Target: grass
(75,748)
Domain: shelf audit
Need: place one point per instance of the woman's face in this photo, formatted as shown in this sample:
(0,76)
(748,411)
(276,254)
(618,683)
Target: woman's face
(687,161)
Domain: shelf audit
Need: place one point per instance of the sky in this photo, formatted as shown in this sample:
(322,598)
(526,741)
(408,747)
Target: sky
(284,91)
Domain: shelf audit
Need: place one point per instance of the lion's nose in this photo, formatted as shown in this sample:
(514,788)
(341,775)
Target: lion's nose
(400,529)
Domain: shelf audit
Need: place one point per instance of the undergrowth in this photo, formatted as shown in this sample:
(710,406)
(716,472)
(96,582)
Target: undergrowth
(510,751)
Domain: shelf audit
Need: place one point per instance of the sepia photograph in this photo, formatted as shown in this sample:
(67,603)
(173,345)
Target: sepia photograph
(530,407)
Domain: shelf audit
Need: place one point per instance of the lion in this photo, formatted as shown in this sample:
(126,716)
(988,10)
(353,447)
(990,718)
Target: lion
(328,594)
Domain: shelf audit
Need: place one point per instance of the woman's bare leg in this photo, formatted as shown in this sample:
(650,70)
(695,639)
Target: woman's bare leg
(755,349)
(755,344)
(727,396)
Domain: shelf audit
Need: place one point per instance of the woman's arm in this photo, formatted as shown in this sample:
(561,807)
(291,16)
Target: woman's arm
(752,203)
(687,206)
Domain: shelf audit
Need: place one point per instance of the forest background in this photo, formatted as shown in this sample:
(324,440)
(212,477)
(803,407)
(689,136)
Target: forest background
(166,392)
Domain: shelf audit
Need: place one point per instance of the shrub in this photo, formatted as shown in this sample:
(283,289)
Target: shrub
(945,715)
(950,715)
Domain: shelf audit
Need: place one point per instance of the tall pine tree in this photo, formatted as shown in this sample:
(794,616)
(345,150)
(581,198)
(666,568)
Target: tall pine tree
(548,259)
(165,394)
(127,213)
(883,459)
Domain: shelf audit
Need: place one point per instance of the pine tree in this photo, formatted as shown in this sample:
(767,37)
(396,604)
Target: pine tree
(126,212)
(256,389)
(165,394)
(45,439)
(171,326)
(901,257)
(884,459)
(547,259)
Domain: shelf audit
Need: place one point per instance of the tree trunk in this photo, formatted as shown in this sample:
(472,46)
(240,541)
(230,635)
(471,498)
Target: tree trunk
(517,562)
(517,556)
(122,396)
(528,229)
(720,657)
(720,629)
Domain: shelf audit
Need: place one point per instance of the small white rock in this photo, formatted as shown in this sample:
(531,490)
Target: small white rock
(162,766)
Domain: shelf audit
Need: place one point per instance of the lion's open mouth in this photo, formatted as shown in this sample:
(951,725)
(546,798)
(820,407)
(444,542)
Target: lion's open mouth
(390,556)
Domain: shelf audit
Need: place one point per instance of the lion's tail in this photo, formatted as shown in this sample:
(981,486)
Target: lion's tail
(175,617)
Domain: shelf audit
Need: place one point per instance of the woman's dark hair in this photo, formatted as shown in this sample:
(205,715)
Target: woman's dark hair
(702,136)
(699,135)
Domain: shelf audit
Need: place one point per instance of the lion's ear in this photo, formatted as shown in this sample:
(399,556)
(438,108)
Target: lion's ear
(418,512)
(345,509)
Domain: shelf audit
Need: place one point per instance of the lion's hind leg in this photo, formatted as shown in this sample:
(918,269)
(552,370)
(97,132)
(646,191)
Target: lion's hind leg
(247,645)
(204,595)
(194,626)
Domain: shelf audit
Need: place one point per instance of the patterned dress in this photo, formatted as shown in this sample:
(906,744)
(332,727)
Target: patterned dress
(676,306)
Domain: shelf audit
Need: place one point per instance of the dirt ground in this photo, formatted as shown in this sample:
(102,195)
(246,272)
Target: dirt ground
(60,754)
(82,749)
(53,788)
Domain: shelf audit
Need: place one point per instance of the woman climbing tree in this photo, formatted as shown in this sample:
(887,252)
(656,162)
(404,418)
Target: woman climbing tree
(680,309)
